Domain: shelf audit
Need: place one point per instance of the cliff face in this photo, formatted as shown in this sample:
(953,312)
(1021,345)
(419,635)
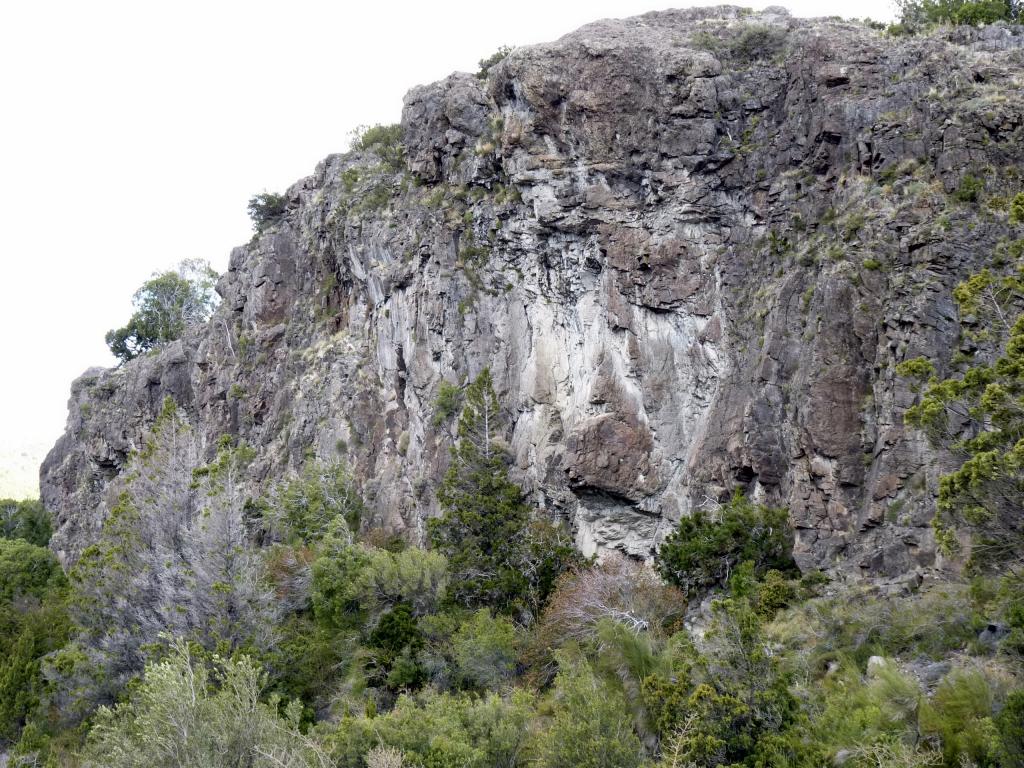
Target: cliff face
(691,246)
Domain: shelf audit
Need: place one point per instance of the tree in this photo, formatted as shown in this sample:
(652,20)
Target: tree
(914,13)
(494,555)
(33,622)
(705,549)
(25,520)
(174,557)
(617,590)
(979,415)
(166,306)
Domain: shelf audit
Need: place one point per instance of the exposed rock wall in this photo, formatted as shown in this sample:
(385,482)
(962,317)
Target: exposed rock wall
(692,247)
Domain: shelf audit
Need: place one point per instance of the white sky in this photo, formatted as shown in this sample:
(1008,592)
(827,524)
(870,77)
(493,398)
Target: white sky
(132,135)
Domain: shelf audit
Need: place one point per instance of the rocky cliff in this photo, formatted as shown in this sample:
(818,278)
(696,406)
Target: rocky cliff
(692,247)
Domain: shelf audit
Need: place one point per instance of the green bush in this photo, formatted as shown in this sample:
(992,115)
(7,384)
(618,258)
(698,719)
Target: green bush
(591,726)
(441,731)
(486,64)
(960,713)
(1010,729)
(915,13)
(265,209)
(25,520)
(485,651)
(756,42)
(189,713)
(447,402)
(969,190)
(1017,209)
(703,550)
(385,141)
(304,507)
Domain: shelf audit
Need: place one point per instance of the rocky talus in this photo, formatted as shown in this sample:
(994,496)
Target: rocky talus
(691,246)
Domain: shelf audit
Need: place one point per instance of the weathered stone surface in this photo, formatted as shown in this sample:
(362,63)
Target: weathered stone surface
(692,264)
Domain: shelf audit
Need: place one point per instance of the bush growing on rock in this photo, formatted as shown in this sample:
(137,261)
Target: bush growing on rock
(265,209)
(706,548)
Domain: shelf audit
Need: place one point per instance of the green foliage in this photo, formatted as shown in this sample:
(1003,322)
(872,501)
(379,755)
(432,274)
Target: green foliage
(1017,209)
(441,731)
(704,550)
(265,209)
(27,571)
(591,725)
(447,402)
(385,141)
(166,306)
(485,651)
(33,623)
(756,42)
(189,714)
(25,520)
(1010,729)
(486,64)
(915,13)
(980,415)
(496,557)
(304,507)
(970,187)
(960,713)
(871,264)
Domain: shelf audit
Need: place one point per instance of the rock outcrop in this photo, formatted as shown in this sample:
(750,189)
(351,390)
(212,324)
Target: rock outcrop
(691,246)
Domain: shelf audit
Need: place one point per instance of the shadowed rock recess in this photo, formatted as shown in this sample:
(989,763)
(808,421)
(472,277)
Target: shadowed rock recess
(691,246)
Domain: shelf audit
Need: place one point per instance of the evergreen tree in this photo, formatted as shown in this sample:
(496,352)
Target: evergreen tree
(481,531)
(496,557)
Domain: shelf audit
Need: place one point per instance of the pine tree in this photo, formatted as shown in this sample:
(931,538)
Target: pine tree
(483,528)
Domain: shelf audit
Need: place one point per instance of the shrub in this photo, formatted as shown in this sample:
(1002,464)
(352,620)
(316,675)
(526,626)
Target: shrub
(265,209)
(485,650)
(757,41)
(385,141)
(1017,209)
(960,713)
(914,13)
(969,190)
(188,713)
(25,520)
(447,402)
(486,64)
(440,730)
(591,726)
(871,264)
(704,550)
(302,508)
(1010,729)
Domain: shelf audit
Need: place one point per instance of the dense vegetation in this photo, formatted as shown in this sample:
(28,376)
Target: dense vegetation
(207,628)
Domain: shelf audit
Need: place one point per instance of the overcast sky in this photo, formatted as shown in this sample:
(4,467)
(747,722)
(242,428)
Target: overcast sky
(133,133)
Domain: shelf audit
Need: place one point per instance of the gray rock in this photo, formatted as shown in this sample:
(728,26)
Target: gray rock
(655,235)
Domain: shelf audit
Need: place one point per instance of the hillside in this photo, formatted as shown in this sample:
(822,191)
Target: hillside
(652,398)
(692,248)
